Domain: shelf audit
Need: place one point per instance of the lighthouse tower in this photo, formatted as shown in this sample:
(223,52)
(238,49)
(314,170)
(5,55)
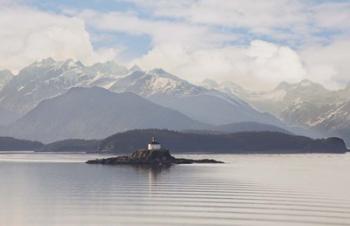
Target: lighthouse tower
(154,145)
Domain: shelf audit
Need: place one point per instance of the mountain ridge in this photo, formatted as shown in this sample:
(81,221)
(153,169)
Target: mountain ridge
(92,113)
(244,142)
(306,104)
(49,78)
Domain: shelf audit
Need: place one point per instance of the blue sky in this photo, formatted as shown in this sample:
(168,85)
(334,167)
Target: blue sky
(136,45)
(242,40)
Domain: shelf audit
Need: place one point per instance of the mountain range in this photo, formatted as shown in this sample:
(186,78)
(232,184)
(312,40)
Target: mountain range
(49,78)
(36,101)
(31,102)
(208,106)
(304,104)
(92,113)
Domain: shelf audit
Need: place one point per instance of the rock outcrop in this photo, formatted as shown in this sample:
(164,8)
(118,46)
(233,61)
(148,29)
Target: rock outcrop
(149,157)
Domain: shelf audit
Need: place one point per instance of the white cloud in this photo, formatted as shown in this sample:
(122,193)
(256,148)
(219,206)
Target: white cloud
(275,63)
(261,17)
(195,39)
(161,31)
(191,48)
(27,35)
(328,64)
(260,66)
(333,15)
(291,21)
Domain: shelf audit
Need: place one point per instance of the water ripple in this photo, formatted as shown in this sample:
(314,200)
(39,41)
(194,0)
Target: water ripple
(75,194)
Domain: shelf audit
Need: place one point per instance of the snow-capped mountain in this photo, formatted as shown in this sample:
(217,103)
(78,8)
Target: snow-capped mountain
(48,78)
(334,121)
(284,97)
(228,87)
(303,103)
(154,82)
(307,104)
(202,104)
(264,101)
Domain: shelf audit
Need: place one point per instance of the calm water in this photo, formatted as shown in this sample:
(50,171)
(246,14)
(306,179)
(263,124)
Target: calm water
(50,189)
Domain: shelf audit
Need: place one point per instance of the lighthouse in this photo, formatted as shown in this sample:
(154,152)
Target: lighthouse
(154,145)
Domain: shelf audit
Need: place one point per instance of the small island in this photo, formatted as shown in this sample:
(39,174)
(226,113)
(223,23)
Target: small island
(154,155)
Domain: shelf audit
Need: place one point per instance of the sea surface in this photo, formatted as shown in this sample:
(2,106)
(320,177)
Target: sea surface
(61,190)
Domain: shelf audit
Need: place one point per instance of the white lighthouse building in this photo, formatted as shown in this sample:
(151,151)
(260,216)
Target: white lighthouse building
(154,145)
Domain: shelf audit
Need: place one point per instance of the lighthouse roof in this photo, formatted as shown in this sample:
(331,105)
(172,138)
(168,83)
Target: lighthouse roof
(154,141)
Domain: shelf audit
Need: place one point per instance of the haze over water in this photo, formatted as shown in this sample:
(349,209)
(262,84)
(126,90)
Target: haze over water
(59,189)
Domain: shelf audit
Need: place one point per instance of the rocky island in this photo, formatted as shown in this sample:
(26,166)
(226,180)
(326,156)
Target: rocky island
(154,155)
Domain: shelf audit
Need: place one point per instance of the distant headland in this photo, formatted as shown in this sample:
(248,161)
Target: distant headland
(187,142)
(154,155)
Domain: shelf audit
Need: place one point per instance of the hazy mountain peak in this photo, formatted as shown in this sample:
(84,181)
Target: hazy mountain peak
(50,63)
(49,78)
(95,113)
(70,64)
(158,71)
(5,77)
(135,67)
(306,82)
(209,84)
(161,73)
(109,67)
(160,81)
(155,82)
(45,61)
(5,73)
(282,86)
(303,84)
(232,86)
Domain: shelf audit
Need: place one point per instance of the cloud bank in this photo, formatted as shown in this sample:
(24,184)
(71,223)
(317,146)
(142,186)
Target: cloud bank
(256,44)
(27,35)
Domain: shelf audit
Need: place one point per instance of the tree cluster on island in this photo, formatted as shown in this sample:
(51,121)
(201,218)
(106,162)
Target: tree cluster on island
(188,142)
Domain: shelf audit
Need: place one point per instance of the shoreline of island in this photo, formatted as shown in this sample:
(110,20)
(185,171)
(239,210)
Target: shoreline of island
(150,158)
(153,155)
(186,143)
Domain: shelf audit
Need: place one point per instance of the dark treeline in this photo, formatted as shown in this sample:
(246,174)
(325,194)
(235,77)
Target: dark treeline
(186,142)
(72,145)
(244,142)
(12,144)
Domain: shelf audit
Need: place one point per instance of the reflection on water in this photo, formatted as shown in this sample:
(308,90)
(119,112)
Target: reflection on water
(44,189)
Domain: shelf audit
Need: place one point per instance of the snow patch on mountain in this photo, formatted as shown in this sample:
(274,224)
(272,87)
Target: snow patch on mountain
(49,78)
